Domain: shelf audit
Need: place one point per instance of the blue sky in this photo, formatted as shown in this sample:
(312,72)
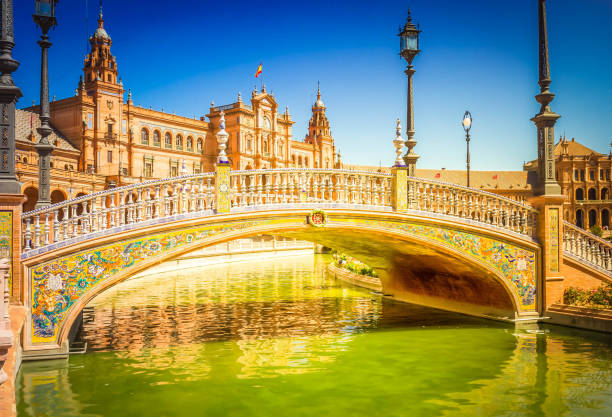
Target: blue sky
(478,55)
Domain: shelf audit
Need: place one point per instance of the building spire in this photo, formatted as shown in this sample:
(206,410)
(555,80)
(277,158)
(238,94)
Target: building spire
(318,90)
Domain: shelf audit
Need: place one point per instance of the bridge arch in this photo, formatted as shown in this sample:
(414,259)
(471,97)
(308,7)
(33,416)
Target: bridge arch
(465,261)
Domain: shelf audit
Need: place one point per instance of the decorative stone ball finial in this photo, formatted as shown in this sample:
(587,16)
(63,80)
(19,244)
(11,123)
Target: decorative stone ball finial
(222,137)
(399,144)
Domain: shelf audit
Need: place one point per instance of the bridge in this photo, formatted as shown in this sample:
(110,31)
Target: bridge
(430,242)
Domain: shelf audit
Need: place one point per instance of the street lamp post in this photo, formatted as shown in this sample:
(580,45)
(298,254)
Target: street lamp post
(45,18)
(467,125)
(9,94)
(409,48)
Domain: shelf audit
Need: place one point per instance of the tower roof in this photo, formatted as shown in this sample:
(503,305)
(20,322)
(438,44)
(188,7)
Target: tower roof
(100,32)
(319,102)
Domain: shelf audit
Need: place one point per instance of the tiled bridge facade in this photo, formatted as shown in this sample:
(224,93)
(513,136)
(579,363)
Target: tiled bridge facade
(431,243)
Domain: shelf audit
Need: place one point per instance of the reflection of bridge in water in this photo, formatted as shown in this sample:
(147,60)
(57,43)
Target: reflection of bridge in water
(433,243)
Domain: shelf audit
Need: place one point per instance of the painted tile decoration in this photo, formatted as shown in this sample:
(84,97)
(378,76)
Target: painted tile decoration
(553,219)
(516,264)
(223,189)
(6,242)
(58,284)
(400,182)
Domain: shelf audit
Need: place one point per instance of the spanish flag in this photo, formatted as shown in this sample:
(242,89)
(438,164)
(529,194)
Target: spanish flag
(258,72)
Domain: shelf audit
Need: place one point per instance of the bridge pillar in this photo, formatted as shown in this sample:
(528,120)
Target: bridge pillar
(549,232)
(222,188)
(399,188)
(10,241)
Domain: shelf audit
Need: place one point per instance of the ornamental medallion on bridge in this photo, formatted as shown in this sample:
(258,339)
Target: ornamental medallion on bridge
(317,218)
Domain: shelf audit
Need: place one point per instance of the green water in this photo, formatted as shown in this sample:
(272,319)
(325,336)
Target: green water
(279,338)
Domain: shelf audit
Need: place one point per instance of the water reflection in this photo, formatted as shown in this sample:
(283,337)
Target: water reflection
(280,338)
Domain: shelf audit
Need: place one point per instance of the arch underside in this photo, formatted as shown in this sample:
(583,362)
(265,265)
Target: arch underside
(419,260)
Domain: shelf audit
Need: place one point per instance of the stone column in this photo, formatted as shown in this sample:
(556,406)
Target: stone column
(399,172)
(6,336)
(550,235)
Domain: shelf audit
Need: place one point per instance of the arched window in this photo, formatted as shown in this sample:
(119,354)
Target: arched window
(200,145)
(265,146)
(190,144)
(293,159)
(168,140)
(144,136)
(267,124)
(592,194)
(179,142)
(580,218)
(592,218)
(306,162)
(604,193)
(605,219)
(156,138)
(579,194)
(300,161)
(249,143)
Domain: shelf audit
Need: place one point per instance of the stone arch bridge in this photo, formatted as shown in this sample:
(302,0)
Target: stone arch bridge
(432,243)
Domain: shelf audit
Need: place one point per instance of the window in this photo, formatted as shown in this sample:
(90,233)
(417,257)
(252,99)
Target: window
(579,194)
(604,194)
(576,174)
(168,140)
(156,138)
(174,165)
(190,144)
(265,146)
(607,175)
(144,136)
(109,156)
(601,174)
(89,120)
(249,144)
(179,142)
(109,129)
(200,145)
(306,162)
(592,175)
(582,175)
(592,194)
(148,169)
(108,78)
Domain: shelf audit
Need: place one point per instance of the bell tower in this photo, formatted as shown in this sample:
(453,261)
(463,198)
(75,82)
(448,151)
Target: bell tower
(319,135)
(100,64)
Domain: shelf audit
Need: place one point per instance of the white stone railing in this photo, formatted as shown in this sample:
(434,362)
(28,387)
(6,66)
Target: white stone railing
(587,248)
(303,185)
(117,207)
(470,204)
(197,193)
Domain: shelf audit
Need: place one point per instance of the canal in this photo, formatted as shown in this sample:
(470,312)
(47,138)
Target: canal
(280,338)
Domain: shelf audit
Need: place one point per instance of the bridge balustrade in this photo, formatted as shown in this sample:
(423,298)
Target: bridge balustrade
(117,207)
(140,203)
(470,204)
(587,247)
(282,186)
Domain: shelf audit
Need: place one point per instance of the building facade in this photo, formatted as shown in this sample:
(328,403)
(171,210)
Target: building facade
(102,140)
(584,177)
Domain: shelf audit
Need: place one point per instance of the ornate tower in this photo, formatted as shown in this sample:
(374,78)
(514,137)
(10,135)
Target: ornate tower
(100,64)
(545,120)
(104,143)
(319,135)
(318,127)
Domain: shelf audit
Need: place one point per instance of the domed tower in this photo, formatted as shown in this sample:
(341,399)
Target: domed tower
(100,64)
(319,135)
(318,127)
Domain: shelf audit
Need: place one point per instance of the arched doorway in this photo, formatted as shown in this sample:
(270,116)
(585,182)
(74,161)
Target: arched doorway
(57,196)
(31,194)
(592,194)
(579,194)
(605,219)
(580,218)
(604,194)
(592,218)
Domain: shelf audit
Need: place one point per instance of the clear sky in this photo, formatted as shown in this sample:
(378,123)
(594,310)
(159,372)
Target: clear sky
(478,55)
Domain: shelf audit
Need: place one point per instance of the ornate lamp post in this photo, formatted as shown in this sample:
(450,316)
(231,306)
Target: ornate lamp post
(467,125)
(545,120)
(45,18)
(409,48)
(9,93)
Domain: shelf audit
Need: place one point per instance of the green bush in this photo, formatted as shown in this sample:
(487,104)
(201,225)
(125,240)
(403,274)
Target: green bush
(596,230)
(598,298)
(353,265)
